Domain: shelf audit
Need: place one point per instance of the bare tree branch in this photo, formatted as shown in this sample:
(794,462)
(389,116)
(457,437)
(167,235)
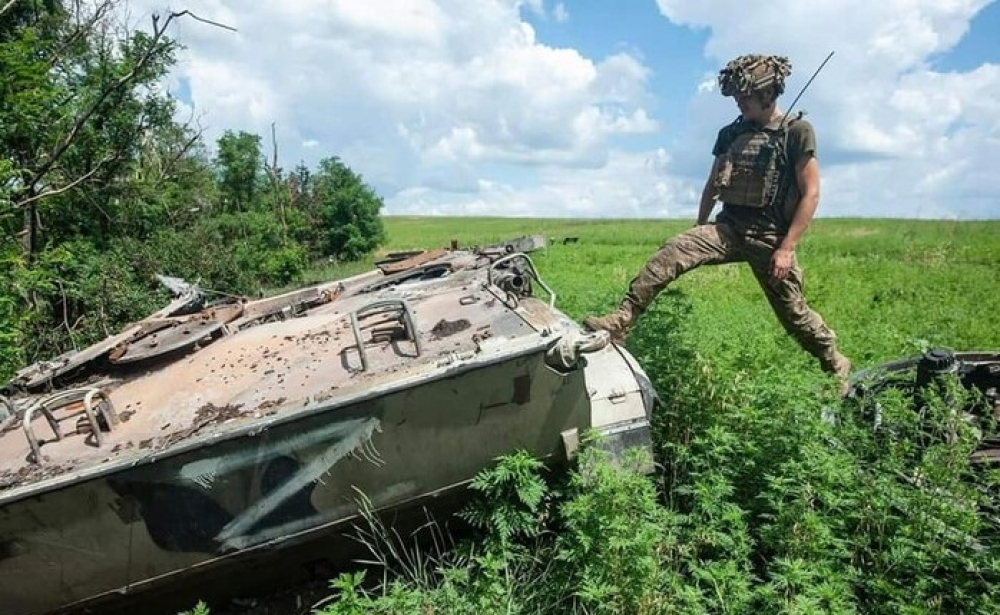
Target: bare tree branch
(81,29)
(185,147)
(117,86)
(65,311)
(7,7)
(272,172)
(203,20)
(274,149)
(83,117)
(73,184)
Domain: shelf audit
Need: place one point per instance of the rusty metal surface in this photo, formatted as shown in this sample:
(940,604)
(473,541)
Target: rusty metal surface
(178,336)
(412,261)
(278,368)
(42,373)
(261,434)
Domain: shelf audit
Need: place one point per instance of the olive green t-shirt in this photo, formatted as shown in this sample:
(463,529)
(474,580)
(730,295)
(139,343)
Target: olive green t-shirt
(776,218)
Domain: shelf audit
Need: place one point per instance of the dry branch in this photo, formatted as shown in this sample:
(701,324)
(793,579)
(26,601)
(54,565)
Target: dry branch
(82,118)
(7,7)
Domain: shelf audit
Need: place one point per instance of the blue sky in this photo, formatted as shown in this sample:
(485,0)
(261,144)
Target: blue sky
(602,109)
(979,45)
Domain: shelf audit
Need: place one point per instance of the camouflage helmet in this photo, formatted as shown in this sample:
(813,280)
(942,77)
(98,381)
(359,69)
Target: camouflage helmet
(750,73)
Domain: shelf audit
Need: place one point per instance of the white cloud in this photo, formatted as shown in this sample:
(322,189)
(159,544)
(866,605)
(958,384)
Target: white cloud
(904,138)
(628,185)
(456,106)
(400,89)
(560,13)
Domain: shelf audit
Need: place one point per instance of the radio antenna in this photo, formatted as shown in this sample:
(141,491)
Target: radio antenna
(803,90)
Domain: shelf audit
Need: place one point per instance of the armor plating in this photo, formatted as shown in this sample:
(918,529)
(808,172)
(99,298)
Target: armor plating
(749,172)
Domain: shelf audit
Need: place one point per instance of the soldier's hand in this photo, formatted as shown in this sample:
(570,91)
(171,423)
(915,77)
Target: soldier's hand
(782,262)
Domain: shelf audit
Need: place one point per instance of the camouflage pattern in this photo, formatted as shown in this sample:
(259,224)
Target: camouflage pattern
(716,244)
(749,172)
(750,73)
(793,142)
(758,205)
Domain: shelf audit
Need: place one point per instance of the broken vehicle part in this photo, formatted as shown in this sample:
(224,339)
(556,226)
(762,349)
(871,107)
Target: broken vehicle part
(931,374)
(208,435)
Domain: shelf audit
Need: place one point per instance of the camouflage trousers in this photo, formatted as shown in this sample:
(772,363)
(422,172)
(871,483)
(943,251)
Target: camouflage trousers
(715,244)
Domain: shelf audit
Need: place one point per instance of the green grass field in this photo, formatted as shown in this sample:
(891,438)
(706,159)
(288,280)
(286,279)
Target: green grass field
(771,494)
(887,287)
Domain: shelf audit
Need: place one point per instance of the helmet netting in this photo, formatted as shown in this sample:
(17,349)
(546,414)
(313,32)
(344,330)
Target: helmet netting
(751,73)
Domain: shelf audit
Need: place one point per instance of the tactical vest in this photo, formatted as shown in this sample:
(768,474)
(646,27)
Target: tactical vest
(751,172)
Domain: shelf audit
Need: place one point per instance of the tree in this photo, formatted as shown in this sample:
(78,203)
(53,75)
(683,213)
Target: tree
(100,186)
(78,97)
(347,210)
(300,188)
(90,158)
(239,165)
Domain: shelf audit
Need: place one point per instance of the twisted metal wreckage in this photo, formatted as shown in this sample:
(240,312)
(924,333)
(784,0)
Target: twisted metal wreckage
(208,432)
(939,373)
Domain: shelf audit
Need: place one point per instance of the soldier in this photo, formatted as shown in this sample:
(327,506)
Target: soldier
(766,175)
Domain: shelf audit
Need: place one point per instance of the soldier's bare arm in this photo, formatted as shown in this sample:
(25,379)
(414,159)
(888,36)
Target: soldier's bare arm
(708,194)
(807,176)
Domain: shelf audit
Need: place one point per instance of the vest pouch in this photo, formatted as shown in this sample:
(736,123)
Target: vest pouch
(752,170)
(724,172)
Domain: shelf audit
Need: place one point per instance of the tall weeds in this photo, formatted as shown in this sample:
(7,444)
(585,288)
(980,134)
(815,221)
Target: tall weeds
(773,497)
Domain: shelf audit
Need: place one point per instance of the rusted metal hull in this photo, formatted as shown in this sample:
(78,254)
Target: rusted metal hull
(161,459)
(138,527)
(201,436)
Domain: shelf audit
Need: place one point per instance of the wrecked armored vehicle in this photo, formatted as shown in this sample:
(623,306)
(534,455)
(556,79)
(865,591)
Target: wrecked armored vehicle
(208,433)
(933,374)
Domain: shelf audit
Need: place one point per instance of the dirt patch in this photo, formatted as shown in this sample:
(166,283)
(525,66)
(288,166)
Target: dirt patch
(211,414)
(445,328)
(328,394)
(308,336)
(123,447)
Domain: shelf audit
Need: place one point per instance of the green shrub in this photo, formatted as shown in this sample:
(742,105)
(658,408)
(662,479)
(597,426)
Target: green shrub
(614,539)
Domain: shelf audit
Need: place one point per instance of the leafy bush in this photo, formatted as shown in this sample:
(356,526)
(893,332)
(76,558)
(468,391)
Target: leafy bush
(612,551)
(775,497)
(347,211)
(509,499)
(199,609)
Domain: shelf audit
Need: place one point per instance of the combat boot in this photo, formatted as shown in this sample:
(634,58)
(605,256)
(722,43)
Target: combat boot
(617,323)
(643,288)
(833,362)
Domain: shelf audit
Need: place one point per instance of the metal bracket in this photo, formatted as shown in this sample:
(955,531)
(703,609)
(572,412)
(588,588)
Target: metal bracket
(381,307)
(48,405)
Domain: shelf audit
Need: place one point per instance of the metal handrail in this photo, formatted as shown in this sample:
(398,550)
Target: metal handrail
(383,305)
(531,267)
(55,401)
(8,413)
